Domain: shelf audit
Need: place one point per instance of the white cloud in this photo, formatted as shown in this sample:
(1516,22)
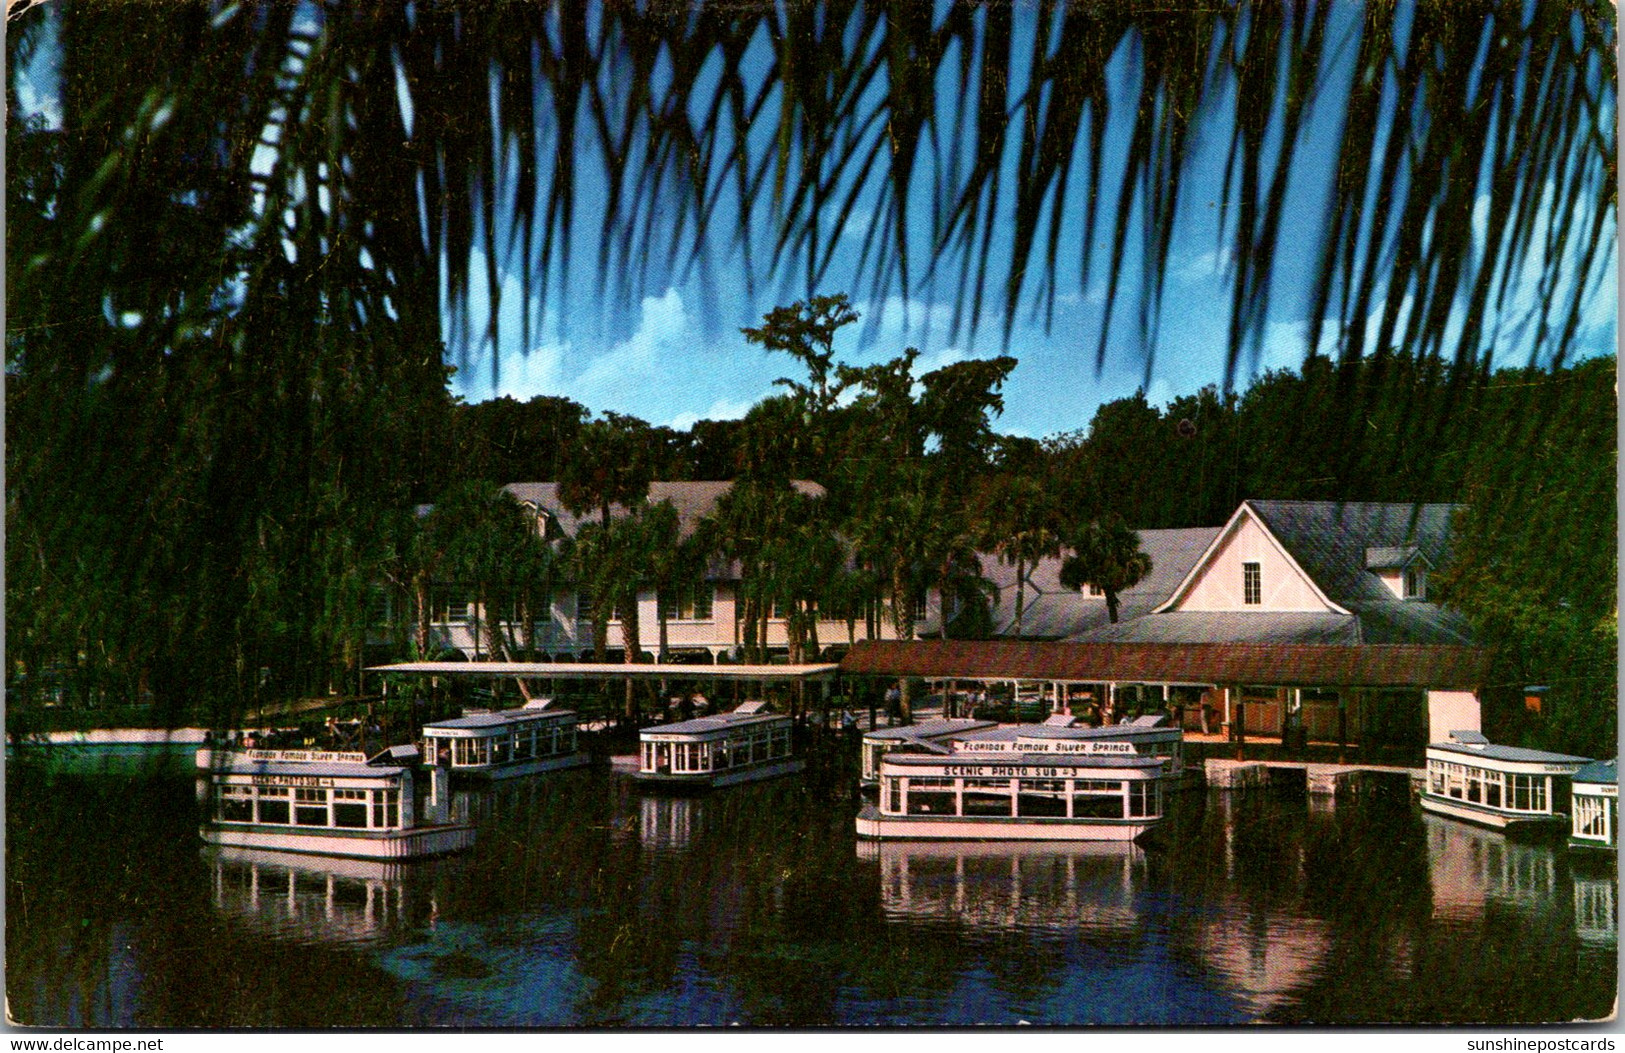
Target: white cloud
(665,336)
(721,409)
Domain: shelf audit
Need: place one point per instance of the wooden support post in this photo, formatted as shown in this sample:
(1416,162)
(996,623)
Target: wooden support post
(1342,725)
(1239,727)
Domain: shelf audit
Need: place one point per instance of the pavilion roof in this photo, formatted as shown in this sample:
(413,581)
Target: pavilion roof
(1280,664)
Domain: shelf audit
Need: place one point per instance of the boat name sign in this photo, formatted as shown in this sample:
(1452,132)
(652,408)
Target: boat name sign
(1044,746)
(999,771)
(291,780)
(308,756)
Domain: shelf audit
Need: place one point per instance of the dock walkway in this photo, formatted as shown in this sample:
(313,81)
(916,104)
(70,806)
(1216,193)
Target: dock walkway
(1321,779)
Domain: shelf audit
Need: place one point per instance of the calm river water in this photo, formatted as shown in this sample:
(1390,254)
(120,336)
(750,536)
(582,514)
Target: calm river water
(586,903)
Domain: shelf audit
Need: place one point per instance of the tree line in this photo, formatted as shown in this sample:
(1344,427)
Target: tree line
(211,541)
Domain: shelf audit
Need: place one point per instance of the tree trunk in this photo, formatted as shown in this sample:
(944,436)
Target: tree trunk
(420,591)
(634,646)
(1021,591)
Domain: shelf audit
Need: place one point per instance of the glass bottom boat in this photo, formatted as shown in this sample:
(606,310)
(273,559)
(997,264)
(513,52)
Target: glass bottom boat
(1069,797)
(336,804)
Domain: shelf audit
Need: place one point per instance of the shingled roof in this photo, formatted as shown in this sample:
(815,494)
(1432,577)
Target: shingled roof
(692,500)
(1283,665)
(1339,545)
(1329,540)
(1053,611)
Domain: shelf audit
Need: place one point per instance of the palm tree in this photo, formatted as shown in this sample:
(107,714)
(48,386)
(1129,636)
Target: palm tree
(237,230)
(1105,554)
(1016,520)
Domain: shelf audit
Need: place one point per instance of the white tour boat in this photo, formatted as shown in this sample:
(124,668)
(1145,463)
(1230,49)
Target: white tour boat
(1596,807)
(718,750)
(509,742)
(1102,791)
(1471,778)
(337,804)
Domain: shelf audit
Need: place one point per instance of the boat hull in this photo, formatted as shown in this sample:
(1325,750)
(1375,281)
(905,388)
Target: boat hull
(497,772)
(1485,816)
(874,825)
(417,843)
(717,780)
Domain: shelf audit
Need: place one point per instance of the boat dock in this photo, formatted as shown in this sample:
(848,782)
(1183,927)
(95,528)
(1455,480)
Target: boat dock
(1325,780)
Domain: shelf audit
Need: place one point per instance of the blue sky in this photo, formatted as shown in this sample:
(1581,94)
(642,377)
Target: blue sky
(677,356)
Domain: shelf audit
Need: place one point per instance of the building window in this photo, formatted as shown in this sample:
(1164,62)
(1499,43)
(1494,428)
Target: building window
(920,607)
(688,603)
(450,611)
(1252,584)
(1094,590)
(1415,583)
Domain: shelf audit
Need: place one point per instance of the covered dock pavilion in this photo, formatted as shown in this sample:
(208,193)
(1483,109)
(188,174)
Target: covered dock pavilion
(1325,692)
(823,673)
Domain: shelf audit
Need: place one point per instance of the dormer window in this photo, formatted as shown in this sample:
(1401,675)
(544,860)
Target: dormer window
(1252,584)
(539,520)
(1403,568)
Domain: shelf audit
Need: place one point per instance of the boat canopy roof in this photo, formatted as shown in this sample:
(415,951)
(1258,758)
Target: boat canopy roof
(716,722)
(609,670)
(929,729)
(1512,754)
(243,765)
(1080,762)
(1106,732)
(1598,773)
(499,718)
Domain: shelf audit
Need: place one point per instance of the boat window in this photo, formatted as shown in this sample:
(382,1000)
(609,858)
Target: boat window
(1097,799)
(986,797)
(1526,793)
(1042,798)
(1144,798)
(894,796)
(386,808)
(350,808)
(1591,817)
(234,804)
(309,807)
(273,804)
(930,796)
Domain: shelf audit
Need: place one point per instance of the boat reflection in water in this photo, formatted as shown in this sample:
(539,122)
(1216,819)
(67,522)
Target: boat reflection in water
(671,822)
(1474,868)
(1056,886)
(319,899)
(1596,907)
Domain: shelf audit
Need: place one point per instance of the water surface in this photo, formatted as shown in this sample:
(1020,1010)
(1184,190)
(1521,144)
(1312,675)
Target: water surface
(588,903)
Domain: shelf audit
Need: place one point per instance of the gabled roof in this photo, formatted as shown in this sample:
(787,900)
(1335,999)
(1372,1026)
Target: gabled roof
(1245,512)
(1392,557)
(1337,545)
(1330,539)
(692,500)
(1053,611)
(1390,622)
